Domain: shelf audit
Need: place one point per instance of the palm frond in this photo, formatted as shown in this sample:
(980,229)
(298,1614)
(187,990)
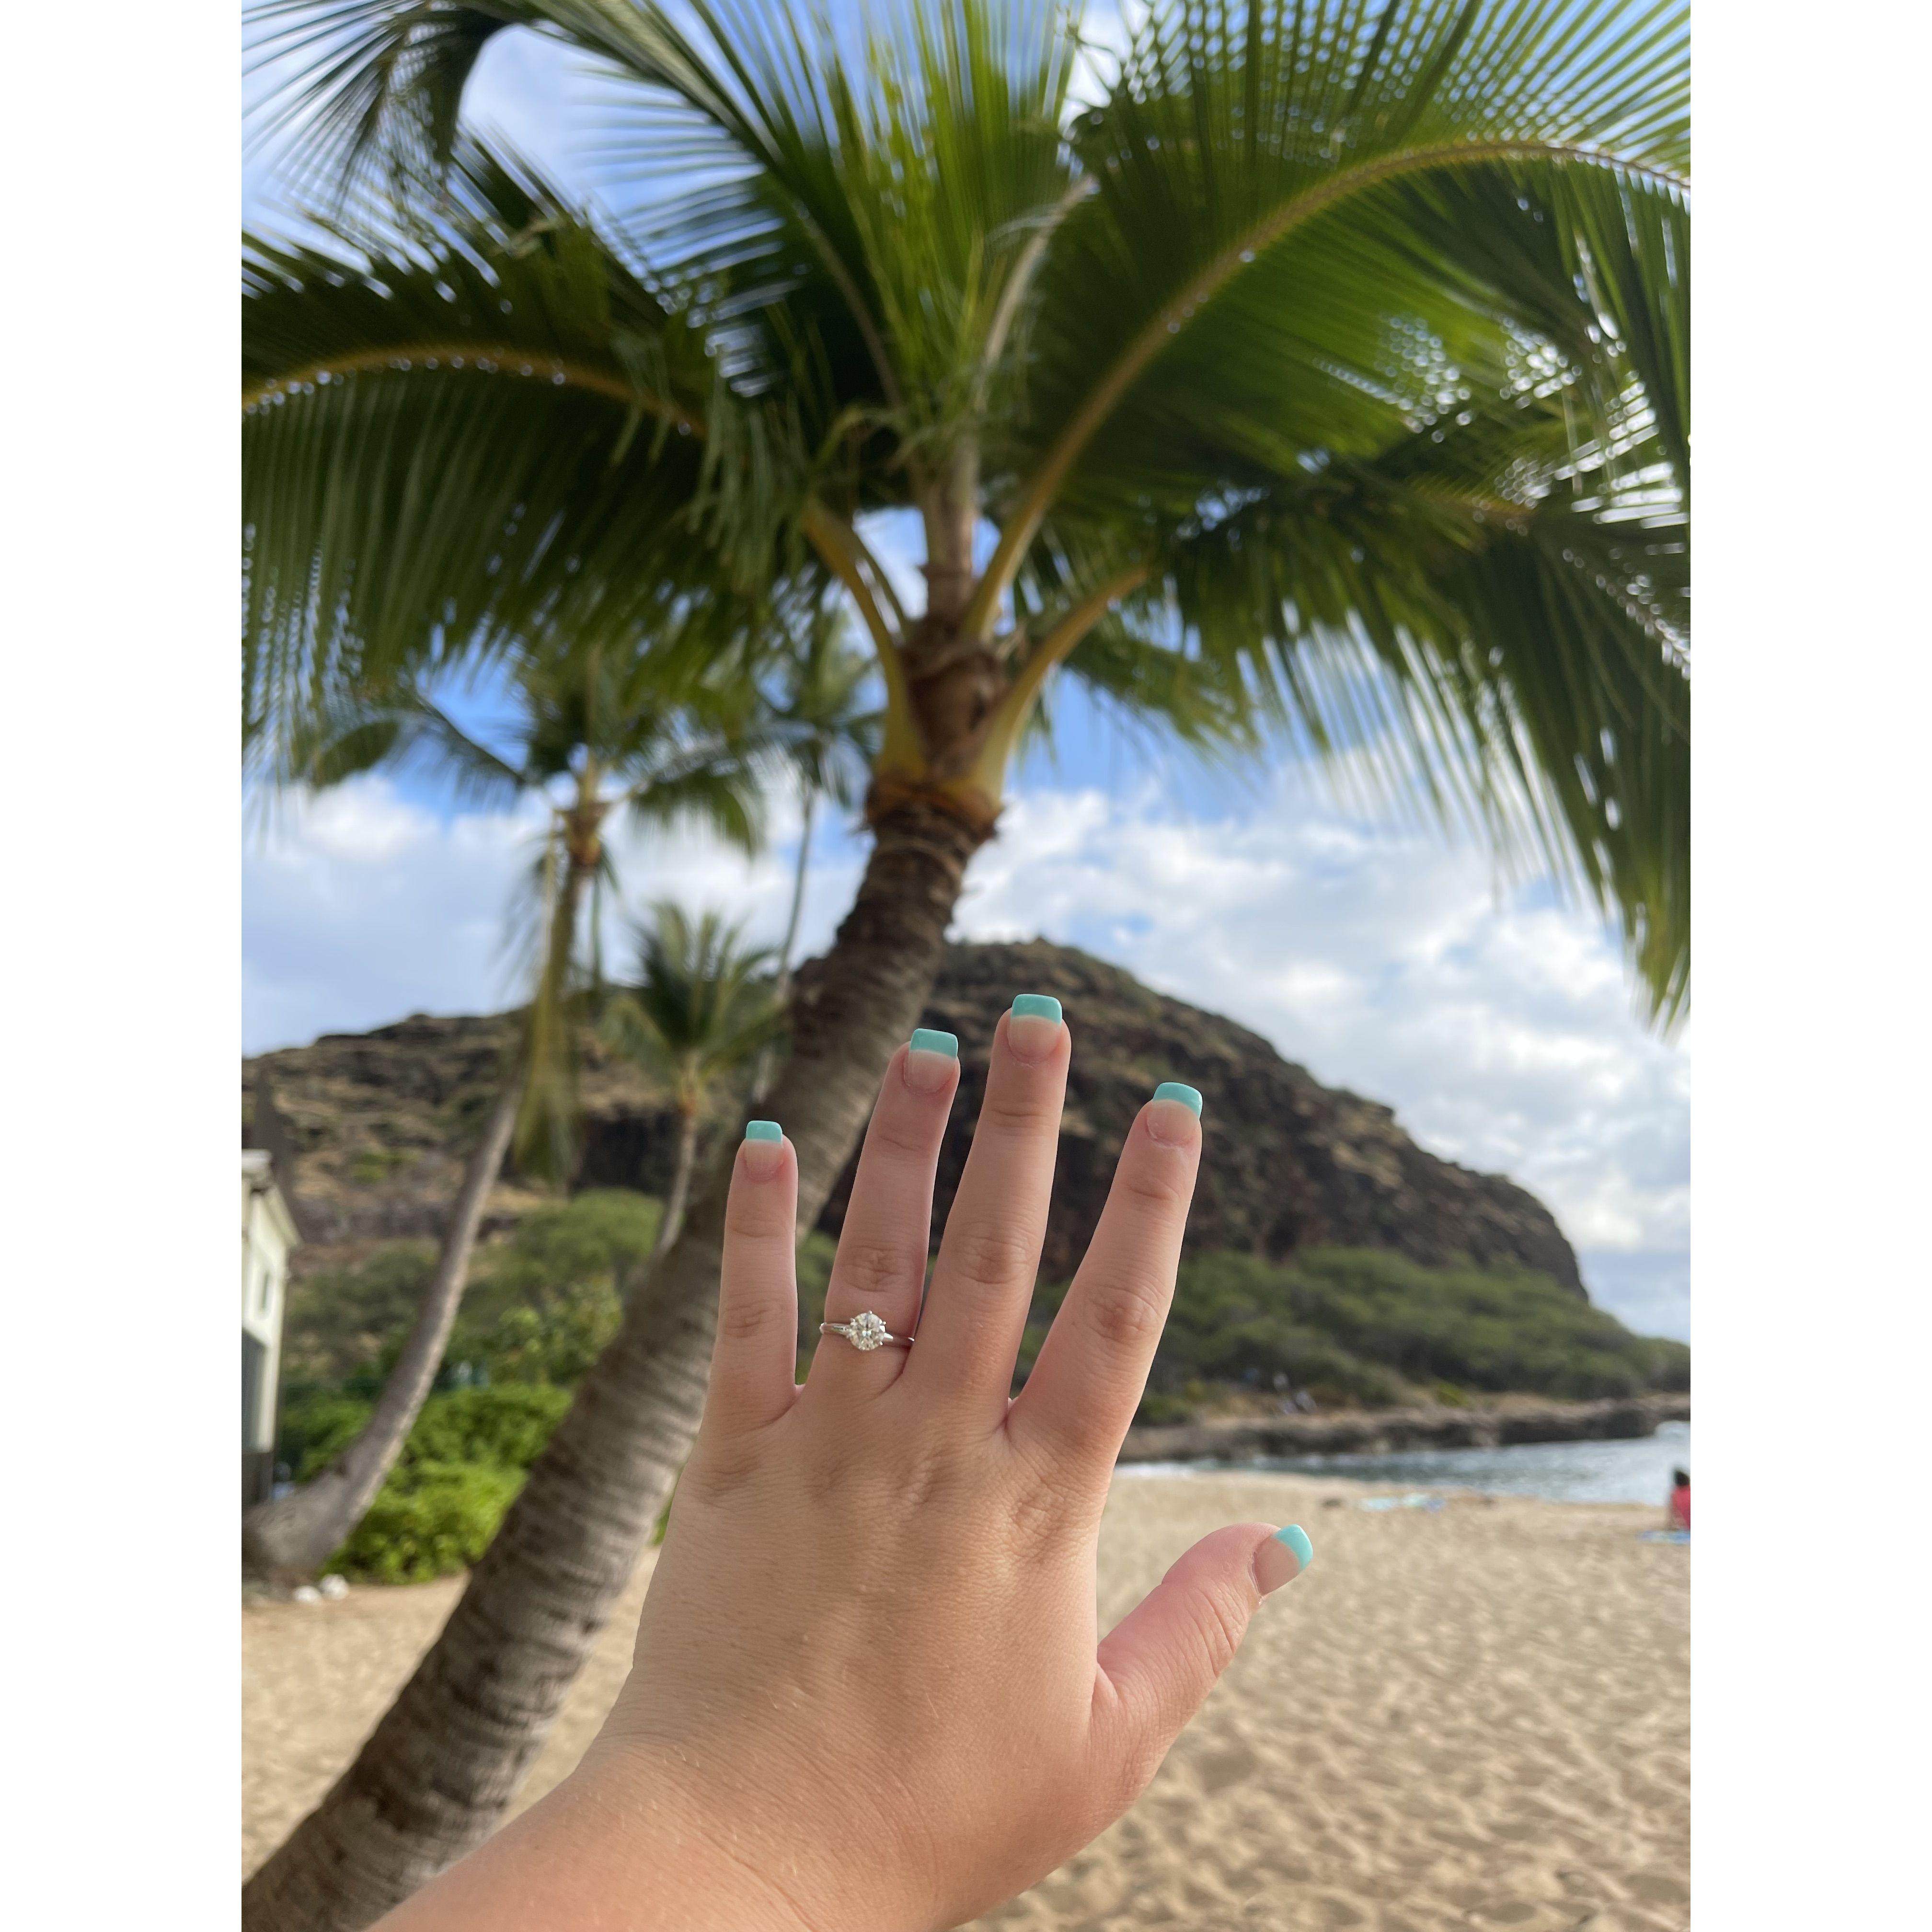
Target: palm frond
(479,436)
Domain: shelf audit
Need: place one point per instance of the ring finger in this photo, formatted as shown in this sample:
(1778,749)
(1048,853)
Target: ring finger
(880,1267)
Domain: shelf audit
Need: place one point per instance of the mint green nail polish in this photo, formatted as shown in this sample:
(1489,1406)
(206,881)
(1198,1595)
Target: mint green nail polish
(1296,1538)
(1190,1097)
(763,1130)
(1036,1006)
(929,1039)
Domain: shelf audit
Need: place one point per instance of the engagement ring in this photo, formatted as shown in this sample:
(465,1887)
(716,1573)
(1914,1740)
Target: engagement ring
(866,1332)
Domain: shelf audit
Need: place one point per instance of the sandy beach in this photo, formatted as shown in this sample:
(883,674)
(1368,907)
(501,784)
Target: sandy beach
(1475,1717)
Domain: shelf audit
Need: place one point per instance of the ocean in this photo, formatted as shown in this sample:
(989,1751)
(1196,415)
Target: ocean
(1636,1472)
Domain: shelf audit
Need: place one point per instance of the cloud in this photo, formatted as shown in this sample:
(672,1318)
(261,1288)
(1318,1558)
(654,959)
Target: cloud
(362,905)
(1501,1027)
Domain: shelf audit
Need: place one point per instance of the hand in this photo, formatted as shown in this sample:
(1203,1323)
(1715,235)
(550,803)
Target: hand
(869,1694)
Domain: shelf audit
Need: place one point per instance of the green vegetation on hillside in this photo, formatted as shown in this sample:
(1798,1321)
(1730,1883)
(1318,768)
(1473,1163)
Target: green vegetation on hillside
(1369,1326)
(1352,1326)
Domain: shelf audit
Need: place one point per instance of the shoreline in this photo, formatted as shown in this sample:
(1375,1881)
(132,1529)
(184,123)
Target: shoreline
(1388,1432)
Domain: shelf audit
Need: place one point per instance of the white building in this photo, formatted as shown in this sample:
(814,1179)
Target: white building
(267,1234)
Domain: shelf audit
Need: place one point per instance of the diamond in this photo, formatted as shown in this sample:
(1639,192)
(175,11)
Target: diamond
(866,1331)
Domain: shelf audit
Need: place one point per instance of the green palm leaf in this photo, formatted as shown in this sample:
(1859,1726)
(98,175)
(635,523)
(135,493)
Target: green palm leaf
(1330,373)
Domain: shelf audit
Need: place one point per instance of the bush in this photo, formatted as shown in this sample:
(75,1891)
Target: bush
(546,1303)
(428,1519)
(340,1321)
(315,1427)
(506,1426)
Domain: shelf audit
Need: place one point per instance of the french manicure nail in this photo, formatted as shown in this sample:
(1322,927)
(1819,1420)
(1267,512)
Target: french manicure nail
(1190,1097)
(764,1149)
(1282,1558)
(1033,1027)
(929,1062)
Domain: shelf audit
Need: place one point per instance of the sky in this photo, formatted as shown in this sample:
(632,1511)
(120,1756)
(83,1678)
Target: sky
(1501,1025)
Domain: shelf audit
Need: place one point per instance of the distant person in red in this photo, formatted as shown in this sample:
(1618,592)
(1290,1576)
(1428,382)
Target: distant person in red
(1680,1499)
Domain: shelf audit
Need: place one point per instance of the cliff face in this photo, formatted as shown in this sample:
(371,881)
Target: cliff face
(370,1130)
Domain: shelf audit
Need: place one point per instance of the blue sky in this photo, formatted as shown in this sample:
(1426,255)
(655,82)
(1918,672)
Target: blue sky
(1498,1023)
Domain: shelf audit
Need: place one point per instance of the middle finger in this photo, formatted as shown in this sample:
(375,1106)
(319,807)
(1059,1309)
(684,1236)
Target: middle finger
(982,1282)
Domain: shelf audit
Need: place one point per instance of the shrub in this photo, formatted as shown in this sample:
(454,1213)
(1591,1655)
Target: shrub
(339,1320)
(546,1302)
(505,1425)
(315,1427)
(428,1519)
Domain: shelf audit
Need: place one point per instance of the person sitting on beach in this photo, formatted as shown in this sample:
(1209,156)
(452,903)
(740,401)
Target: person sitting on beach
(869,1691)
(1680,1500)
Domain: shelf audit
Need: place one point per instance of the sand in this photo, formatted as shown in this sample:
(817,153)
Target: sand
(1477,1717)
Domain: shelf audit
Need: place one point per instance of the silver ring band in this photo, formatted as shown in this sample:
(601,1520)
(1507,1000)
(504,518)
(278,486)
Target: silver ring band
(866,1332)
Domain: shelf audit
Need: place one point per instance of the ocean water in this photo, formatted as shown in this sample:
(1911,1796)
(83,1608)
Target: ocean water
(1636,1472)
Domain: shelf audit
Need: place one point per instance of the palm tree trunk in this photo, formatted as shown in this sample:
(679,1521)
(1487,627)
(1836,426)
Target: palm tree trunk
(680,1186)
(761,1076)
(434,1777)
(289,1538)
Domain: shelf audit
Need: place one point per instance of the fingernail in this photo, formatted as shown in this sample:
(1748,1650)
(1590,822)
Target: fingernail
(1282,1558)
(930,1060)
(1033,1027)
(764,1149)
(1190,1097)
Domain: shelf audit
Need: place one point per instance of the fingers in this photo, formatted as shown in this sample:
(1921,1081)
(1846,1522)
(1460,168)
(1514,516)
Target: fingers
(888,1230)
(1163,1657)
(1087,1384)
(754,1360)
(982,1282)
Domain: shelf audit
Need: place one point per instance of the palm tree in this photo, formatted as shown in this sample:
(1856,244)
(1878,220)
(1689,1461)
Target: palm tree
(1325,372)
(702,1006)
(830,731)
(630,734)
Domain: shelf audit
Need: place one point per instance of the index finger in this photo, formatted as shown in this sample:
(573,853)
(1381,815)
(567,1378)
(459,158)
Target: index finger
(1087,1384)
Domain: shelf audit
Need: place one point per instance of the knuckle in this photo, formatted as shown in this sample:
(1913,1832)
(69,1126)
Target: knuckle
(993,1256)
(1153,1184)
(717,1469)
(1134,1771)
(1049,1504)
(926,1472)
(868,1270)
(1008,1109)
(1219,1623)
(748,1318)
(900,1142)
(1123,1314)
(748,1216)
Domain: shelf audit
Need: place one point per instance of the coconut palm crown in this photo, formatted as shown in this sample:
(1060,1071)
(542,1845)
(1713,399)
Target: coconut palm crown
(1322,366)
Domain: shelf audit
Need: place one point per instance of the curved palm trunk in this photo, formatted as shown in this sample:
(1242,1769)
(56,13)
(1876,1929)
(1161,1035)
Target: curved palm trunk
(434,1777)
(290,1538)
(761,1077)
(680,1186)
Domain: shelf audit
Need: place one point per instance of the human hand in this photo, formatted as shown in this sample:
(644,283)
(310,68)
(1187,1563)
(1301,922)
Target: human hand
(869,1693)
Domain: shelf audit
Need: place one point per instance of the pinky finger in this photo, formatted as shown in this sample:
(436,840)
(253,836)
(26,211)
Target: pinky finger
(754,1364)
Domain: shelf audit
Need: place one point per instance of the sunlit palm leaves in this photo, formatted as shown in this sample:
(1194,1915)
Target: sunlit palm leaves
(1331,365)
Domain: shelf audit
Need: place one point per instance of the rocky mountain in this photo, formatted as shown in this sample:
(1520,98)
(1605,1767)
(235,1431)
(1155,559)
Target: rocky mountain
(370,1130)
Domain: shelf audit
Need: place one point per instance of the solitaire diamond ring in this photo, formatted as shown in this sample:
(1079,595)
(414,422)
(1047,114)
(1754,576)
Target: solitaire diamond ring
(866,1332)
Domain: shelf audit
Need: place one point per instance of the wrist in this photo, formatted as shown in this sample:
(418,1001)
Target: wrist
(658,1859)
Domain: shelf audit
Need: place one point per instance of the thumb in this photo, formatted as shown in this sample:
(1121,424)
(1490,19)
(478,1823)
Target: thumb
(1163,1657)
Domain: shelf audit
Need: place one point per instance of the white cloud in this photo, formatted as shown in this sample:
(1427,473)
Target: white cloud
(1502,1029)
(360,906)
